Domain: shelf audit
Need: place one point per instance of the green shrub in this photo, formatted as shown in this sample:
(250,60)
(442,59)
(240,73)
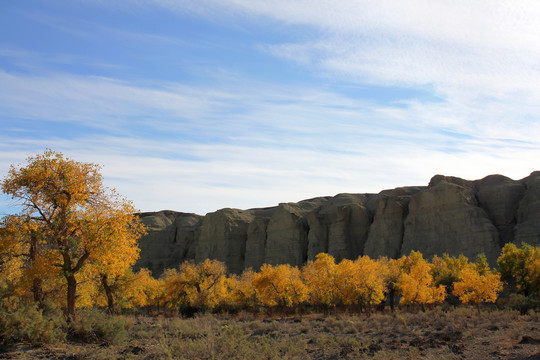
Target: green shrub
(93,325)
(522,303)
(29,324)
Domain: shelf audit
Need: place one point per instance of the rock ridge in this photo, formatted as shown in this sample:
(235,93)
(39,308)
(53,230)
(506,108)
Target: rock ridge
(448,216)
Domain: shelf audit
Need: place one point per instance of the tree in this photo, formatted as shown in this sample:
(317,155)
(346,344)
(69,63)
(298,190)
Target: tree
(79,221)
(391,273)
(476,285)
(532,267)
(320,277)
(241,289)
(446,272)
(279,286)
(515,266)
(198,286)
(416,284)
(21,255)
(361,282)
(127,290)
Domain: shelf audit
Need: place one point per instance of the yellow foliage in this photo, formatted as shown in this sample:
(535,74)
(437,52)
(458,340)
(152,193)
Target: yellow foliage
(242,291)
(390,271)
(68,212)
(532,269)
(14,249)
(320,278)
(416,284)
(475,288)
(519,268)
(141,290)
(361,281)
(446,270)
(279,286)
(200,285)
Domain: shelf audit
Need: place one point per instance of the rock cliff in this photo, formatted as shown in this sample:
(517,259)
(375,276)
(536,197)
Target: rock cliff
(450,215)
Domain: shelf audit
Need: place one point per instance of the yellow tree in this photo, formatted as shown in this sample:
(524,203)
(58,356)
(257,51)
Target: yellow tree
(416,283)
(320,277)
(143,291)
(391,273)
(242,292)
(514,270)
(476,285)
(21,254)
(79,220)
(199,286)
(361,282)
(446,272)
(14,250)
(128,290)
(532,268)
(279,286)
(170,295)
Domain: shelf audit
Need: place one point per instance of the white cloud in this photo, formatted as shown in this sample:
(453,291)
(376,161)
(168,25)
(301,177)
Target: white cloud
(244,176)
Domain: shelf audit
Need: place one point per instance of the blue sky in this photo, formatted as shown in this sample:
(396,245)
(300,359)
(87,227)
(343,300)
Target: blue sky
(198,105)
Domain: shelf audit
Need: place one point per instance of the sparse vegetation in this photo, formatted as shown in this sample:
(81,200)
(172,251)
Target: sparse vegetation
(453,334)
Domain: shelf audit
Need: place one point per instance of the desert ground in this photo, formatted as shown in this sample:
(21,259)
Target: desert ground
(460,333)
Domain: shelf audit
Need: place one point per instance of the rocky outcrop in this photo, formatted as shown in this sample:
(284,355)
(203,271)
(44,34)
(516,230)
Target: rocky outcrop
(223,237)
(172,238)
(527,229)
(256,243)
(388,228)
(450,215)
(445,218)
(499,196)
(339,228)
(287,233)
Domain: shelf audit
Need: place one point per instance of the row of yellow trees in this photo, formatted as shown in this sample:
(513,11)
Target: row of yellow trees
(322,283)
(325,284)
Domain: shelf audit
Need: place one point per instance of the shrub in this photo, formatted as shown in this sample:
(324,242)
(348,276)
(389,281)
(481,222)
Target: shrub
(522,303)
(29,324)
(94,325)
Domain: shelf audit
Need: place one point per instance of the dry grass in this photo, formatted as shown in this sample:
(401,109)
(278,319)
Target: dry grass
(435,334)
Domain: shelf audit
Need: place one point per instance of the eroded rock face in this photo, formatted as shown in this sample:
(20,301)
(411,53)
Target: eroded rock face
(388,228)
(527,229)
(450,215)
(339,227)
(223,237)
(445,218)
(171,239)
(256,243)
(287,233)
(500,197)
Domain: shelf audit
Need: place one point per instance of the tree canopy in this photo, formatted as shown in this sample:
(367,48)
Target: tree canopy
(69,221)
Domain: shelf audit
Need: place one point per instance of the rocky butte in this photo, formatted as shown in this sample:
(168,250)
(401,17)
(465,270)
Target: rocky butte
(449,215)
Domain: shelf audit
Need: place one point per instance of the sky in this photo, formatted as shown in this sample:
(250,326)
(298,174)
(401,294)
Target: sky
(199,105)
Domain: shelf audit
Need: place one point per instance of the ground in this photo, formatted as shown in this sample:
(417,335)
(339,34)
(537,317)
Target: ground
(461,333)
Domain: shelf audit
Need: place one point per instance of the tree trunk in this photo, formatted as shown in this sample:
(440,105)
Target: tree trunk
(37,290)
(108,293)
(391,297)
(37,282)
(71,296)
(69,274)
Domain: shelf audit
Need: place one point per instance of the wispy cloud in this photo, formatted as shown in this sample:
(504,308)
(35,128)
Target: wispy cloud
(268,144)
(481,59)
